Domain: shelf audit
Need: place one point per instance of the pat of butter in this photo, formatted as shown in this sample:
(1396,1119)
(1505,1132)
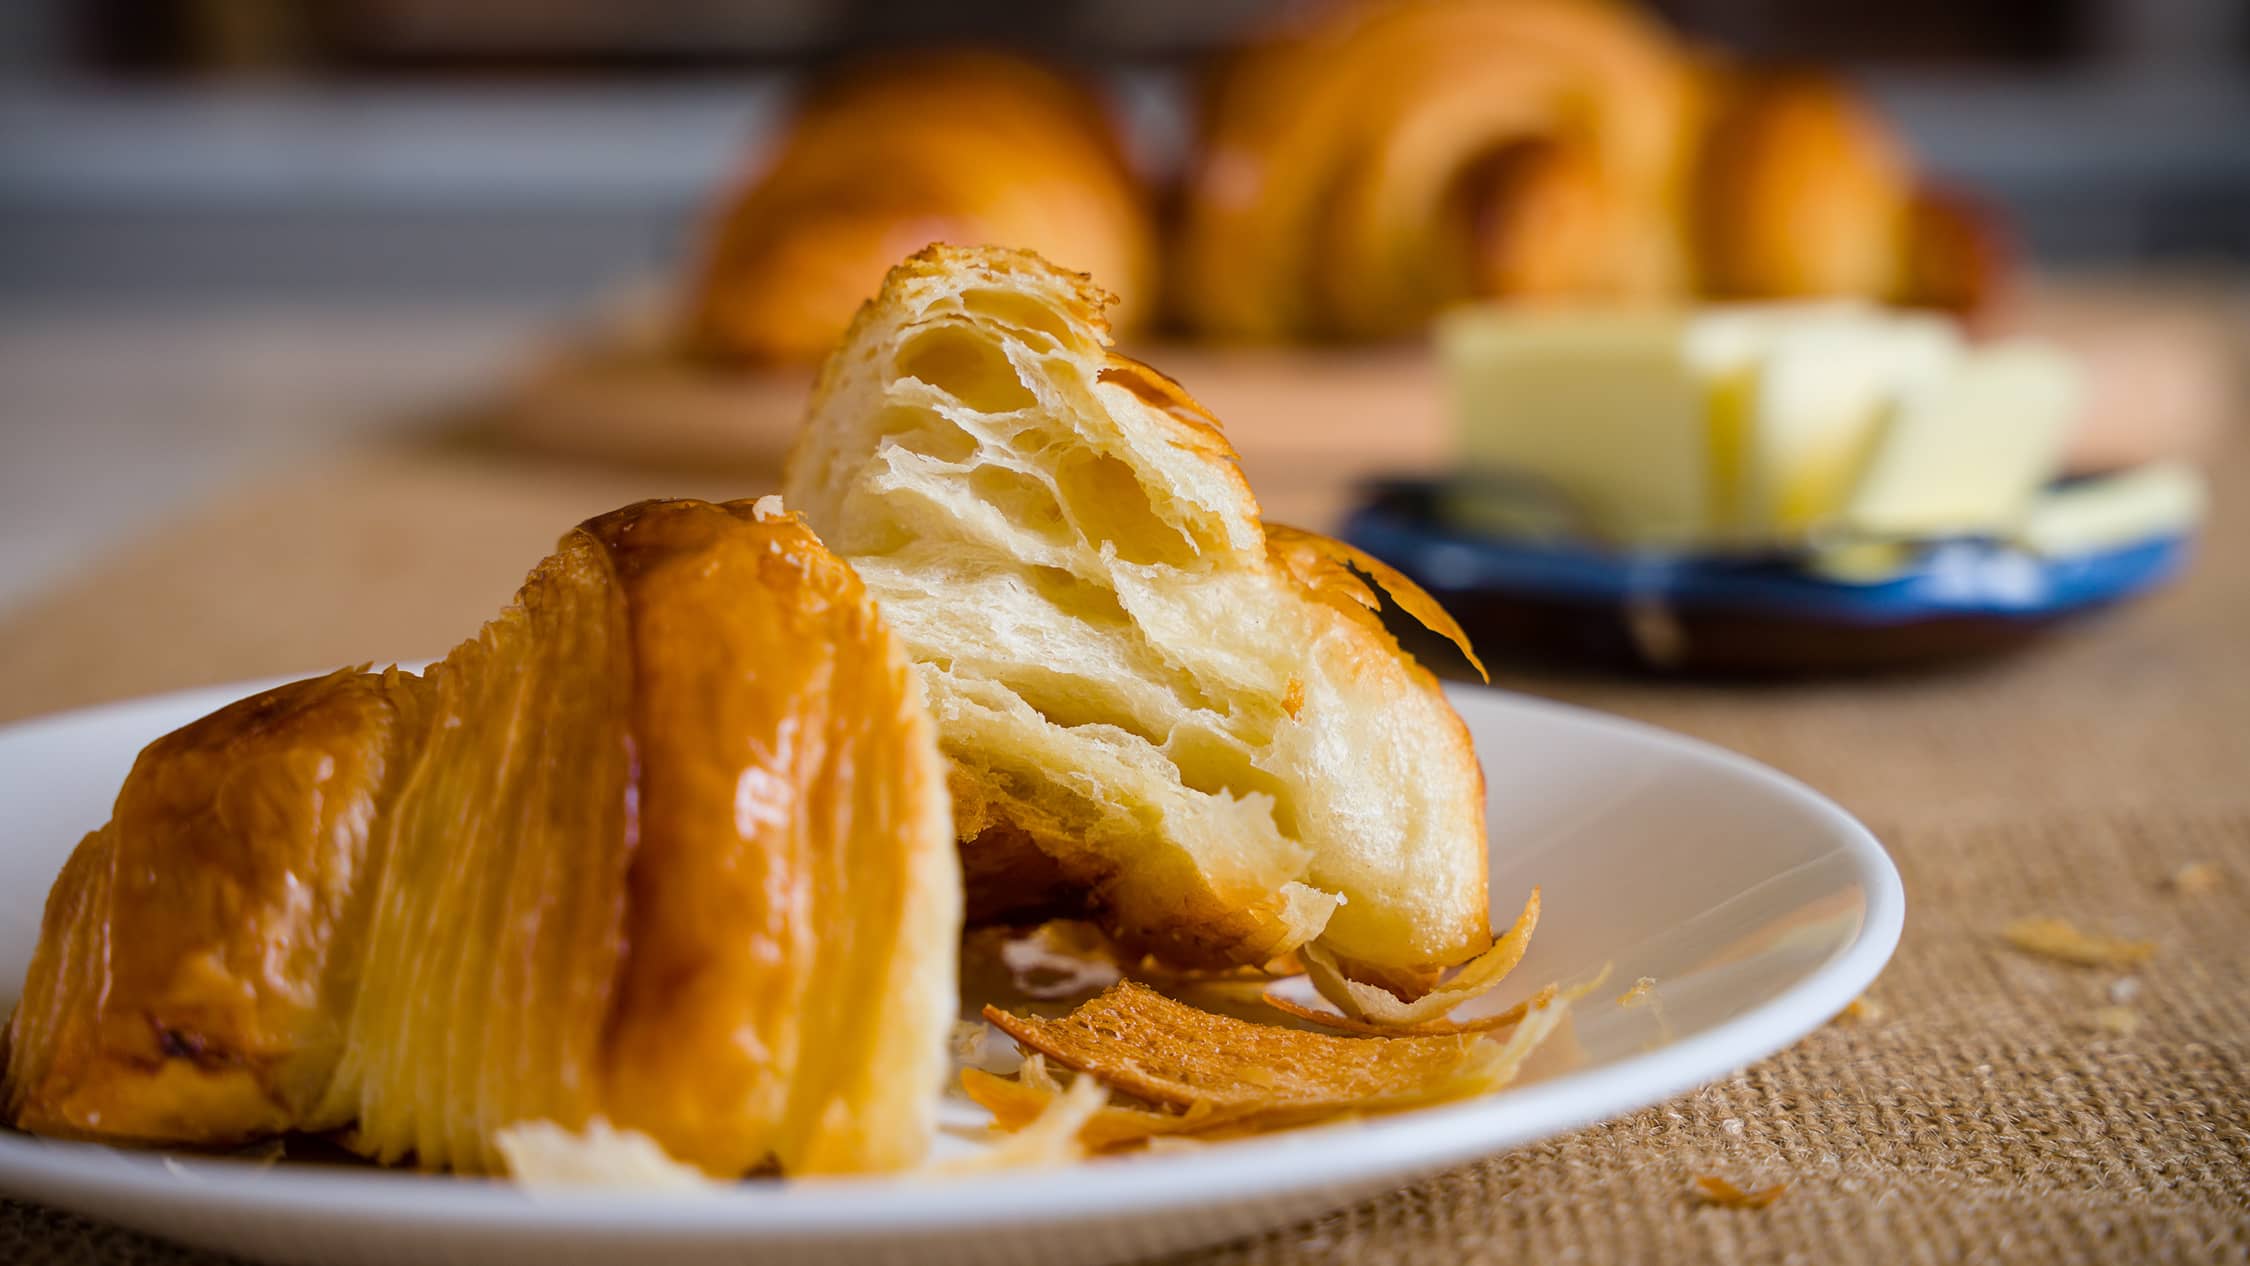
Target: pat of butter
(1968,450)
(1822,392)
(2110,511)
(1603,405)
(1795,392)
(1726,346)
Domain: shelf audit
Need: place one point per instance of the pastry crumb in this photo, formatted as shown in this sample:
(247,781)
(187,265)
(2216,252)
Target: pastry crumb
(1718,1191)
(2122,1021)
(975,1045)
(2058,939)
(1639,993)
(1363,1001)
(544,1156)
(2196,877)
(1049,1140)
(1862,1010)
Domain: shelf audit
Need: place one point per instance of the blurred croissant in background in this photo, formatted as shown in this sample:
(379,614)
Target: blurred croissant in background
(1359,173)
(899,152)
(666,847)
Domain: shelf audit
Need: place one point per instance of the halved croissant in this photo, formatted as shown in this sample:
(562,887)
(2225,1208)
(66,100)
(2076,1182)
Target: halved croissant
(667,844)
(1160,712)
(893,155)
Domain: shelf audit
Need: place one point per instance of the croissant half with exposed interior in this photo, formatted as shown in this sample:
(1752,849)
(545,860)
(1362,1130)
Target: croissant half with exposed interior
(898,152)
(665,846)
(1160,712)
(1391,157)
(666,866)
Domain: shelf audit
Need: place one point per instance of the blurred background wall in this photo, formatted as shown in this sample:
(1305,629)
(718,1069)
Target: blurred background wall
(184,150)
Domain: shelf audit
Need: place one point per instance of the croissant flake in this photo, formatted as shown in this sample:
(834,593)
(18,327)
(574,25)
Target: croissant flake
(1360,1001)
(1298,544)
(544,1156)
(1211,1076)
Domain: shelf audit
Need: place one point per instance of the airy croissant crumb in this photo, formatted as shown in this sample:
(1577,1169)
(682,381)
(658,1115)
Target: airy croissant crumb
(1161,712)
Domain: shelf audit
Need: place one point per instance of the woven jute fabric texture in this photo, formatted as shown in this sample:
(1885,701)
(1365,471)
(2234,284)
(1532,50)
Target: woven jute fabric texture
(1994,1111)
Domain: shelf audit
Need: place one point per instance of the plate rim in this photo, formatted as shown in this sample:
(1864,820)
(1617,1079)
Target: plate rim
(1961,576)
(88,1176)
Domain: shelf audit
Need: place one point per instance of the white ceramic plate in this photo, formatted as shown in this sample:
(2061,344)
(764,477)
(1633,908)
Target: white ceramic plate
(1760,908)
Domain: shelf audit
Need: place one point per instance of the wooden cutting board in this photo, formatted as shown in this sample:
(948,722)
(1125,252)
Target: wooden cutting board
(619,400)
(2159,361)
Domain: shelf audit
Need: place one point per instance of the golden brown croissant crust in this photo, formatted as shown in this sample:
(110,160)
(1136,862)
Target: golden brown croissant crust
(1802,188)
(1359,173)
(667,844)
(894,154)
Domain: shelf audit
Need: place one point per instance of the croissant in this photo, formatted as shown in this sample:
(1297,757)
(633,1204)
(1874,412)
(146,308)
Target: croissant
(1161,713)
(666,845)
(1336,187)
(1801,188)
(897,153)
(1390,159)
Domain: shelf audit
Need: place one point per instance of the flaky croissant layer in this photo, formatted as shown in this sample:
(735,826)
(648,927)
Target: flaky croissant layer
(666,844)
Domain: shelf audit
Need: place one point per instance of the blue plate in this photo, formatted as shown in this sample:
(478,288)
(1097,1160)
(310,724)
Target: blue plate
(1733,613)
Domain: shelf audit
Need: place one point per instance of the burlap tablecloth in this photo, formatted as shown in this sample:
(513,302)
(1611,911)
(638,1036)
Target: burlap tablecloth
(1985,1117)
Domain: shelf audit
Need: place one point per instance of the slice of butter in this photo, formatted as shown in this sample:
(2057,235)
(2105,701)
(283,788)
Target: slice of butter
(1967,451)
(2112,511)
(1794,393)
(1822,390)
(1727,346)
(1603,405)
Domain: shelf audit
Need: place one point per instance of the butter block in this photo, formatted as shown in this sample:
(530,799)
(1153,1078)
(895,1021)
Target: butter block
(1790,424)
(1968,451)
(1603,405)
